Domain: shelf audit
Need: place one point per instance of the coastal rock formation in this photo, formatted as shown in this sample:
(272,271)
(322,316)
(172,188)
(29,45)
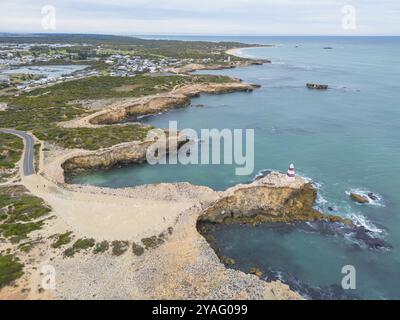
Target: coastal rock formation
(256,271)
(273,198)
(317,86)
(358,198)
(123,154)
(119,110)
(372,196)
(140,108)
(132,152)
(196,66)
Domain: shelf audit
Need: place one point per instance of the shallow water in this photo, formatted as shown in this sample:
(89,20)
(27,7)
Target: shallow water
(54,71)
(346,138)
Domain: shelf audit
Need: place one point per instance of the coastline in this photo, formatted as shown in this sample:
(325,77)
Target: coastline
(236,51)
(131,214)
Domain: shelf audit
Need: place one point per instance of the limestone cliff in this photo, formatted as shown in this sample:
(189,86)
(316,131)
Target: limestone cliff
(179,97)
(235,64)
(123,154)
(140,108)
(131,152)
(273,198)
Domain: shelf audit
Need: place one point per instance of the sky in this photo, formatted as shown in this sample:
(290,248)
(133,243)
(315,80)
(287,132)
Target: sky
(202,17)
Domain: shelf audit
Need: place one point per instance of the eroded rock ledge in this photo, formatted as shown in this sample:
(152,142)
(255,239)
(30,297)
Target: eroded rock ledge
(160,103)
(123,154)
(130,152)
(273,198)
(236,64)
(134,108)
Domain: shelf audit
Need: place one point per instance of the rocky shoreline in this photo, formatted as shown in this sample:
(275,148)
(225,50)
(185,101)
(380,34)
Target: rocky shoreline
(184,267)
(133,108)
(236,64)
(273,198)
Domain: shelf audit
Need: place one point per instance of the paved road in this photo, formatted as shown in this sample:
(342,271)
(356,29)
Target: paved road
(28,164)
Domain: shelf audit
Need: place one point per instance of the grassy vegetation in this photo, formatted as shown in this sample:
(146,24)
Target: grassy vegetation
(152,242)
(119,247)
(27,246)
(69,252)
(19,231)
(101,247)
(20,213)
(93,138)
(143,47)
(23,208)
(83,244)
(42,109)
(80,244)
(10,270)
(137,249)
(62,239)
(11,148)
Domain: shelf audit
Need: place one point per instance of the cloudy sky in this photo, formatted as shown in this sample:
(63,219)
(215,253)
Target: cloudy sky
(207,17)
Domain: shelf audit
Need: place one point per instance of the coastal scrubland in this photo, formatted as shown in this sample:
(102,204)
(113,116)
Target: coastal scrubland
(41,110)
(10,269)
(164,253)
(10,150)
(20,213)
(149,48)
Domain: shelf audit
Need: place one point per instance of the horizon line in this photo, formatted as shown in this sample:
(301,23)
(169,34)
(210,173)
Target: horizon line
(195,34)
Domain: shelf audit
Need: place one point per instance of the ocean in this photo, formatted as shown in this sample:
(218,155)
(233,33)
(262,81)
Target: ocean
(343,139)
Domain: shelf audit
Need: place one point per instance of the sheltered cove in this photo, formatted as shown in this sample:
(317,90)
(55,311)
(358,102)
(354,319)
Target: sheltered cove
(110,214)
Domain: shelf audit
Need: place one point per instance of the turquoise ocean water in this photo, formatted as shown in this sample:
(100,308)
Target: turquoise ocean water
(346,138)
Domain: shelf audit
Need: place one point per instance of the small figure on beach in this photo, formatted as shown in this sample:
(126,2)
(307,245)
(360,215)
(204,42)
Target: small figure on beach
(291,173)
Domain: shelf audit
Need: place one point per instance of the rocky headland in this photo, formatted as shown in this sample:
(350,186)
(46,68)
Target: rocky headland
(236,64)
(117,111)
(273,198)
(183,266)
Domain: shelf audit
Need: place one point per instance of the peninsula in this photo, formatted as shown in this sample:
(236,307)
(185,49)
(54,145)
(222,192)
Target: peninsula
(145,239)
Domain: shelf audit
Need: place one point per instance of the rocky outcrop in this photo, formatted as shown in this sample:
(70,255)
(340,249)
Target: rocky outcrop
(131,152)
(235,64)
(359,198)
(140,108)
(122,154)
(180,97)
(273,198)
(317,86)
